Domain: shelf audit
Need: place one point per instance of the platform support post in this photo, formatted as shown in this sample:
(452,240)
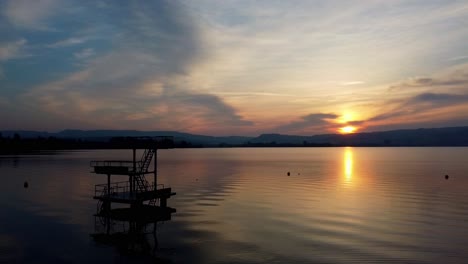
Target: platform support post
(108,204)
(108,186)
(155,169)
(132,177)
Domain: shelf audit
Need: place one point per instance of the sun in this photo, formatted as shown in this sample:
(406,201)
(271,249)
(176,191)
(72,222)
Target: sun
(347,129)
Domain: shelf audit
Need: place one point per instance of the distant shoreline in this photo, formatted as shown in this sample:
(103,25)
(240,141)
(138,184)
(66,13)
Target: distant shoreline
(11,153)
(32,142)
(20,141)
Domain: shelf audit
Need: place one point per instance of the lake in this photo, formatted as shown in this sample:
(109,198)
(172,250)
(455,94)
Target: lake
(338,205)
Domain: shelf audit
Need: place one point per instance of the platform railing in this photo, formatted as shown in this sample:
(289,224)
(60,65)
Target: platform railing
(114,163)
(119,189)
(159,186)
(101,190)
(150,186)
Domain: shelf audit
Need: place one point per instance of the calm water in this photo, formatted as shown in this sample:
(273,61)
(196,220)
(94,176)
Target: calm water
(339,205)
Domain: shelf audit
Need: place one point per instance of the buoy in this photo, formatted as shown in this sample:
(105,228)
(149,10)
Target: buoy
(446,177)
(25,184)
(289,173)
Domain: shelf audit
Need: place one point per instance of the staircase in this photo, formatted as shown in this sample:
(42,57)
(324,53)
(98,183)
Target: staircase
(145,162)
(146,159)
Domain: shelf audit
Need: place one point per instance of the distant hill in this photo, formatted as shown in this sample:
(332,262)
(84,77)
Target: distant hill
(105,135)
(449,136)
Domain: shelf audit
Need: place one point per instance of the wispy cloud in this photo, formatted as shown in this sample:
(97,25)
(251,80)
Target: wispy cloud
(438,99)
(10,50)
(459,58)
(426,82)
(68,42)
(349,83)
(311,124)
(456,78)
(254,94)
(83,54)
(302,43)
(29,14)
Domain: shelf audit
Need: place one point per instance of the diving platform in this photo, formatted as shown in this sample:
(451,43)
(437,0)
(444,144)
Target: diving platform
(137,190)
(120,193)
(115,167)
(142,203)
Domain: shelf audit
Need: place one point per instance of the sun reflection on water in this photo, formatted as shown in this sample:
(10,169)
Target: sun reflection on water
(348,164)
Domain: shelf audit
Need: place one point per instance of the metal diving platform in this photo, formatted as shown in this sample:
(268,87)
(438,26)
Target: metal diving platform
(137,190)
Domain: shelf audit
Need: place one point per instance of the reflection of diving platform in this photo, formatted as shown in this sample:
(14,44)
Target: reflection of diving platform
(143,215)
(133,231)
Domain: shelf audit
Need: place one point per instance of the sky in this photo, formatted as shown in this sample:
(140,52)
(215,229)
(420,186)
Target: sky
(233,67)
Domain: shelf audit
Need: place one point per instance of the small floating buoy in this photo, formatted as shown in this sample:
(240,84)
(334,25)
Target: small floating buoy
(26,185)
(289,173)
(446,177)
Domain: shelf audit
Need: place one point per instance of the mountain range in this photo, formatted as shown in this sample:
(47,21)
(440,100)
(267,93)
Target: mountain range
(447,136)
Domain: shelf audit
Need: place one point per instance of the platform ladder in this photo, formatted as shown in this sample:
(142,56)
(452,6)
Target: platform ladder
(141,182)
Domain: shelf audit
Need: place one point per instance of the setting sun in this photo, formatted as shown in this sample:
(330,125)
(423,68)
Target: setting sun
(348,129)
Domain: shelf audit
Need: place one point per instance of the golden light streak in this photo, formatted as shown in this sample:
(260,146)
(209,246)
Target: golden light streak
(348,164)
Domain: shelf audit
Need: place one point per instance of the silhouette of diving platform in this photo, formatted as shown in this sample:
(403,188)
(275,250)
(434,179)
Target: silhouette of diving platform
(132,231)
(137,191)
(120,193)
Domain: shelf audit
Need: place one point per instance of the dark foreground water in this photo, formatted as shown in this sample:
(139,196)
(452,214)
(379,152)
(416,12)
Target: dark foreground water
(339,205)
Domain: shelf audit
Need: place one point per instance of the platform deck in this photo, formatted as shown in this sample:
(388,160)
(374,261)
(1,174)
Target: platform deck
(126,197)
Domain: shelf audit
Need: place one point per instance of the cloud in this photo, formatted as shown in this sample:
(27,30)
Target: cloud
(10,50)
(425,102)
(427,82)
(312,123)
(142,81)
(68,42)
(456,78)
(170,108)
(212,107)
(351,83)
(302,45)
(438,99)
(424,108)
(29,14)
(458,58)
(435,100)
(254,94)
(388,116)
(83,54)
